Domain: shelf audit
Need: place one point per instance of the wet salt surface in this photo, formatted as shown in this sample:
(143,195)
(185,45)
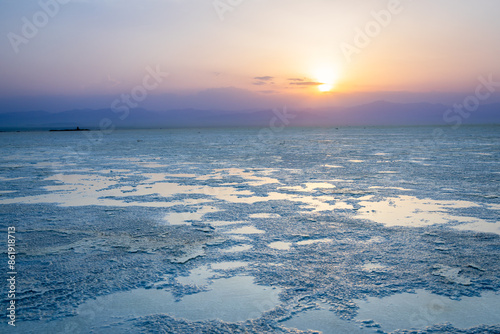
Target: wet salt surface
(185,218)
(178,218)
(325,321)
(414,212)
(408,310)
(77,190)
(308,187)
(311,242)
(280,245)
(233,299)
(264,215)
(202,275)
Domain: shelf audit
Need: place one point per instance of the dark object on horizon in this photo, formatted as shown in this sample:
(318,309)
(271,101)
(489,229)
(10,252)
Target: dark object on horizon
(77,129)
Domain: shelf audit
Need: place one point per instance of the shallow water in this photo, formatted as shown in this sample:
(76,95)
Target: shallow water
(233,299)
(412,211)
(422,309)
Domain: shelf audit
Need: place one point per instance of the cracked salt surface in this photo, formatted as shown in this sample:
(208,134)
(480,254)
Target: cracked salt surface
(453,275)
(246,230)
(161,225)
(373,266)
(225,223)
(235,249)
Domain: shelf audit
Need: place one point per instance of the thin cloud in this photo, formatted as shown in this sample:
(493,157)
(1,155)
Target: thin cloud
(259,83)
(295,79)
(264,78)
(307,83)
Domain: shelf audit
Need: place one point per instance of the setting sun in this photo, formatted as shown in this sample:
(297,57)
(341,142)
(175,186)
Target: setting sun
(328,77)
(325,88)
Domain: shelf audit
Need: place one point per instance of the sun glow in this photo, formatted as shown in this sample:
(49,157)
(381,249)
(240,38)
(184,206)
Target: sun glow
(325,88)
(328,77)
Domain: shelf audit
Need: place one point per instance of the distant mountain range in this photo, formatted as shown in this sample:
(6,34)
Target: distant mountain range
(376,113)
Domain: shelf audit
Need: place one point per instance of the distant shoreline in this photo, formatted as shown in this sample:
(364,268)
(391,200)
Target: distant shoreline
(12,130)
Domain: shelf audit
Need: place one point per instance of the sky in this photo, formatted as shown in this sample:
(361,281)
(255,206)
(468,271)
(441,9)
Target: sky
(58,55)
